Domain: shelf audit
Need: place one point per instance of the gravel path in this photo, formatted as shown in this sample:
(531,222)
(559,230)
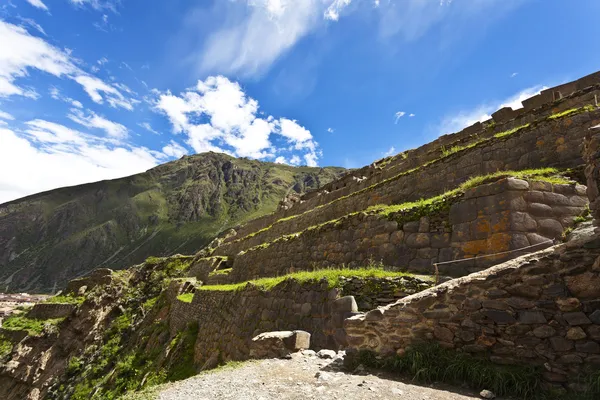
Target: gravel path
(303,377)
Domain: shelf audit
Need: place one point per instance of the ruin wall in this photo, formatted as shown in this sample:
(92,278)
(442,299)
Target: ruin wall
(552,143)
(500,216)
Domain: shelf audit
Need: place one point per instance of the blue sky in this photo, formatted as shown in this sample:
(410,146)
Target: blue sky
(98,89)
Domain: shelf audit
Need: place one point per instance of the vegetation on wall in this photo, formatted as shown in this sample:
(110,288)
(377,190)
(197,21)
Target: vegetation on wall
(330,276)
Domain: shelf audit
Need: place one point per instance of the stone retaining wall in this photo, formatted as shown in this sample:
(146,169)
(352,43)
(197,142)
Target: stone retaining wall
(552,143)
(592,171)
(541,309)
(51,310)
(228,320)
(202,267)
(496,217)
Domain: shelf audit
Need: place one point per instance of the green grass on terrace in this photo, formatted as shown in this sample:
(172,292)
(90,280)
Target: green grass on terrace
(65,299)
(455,149)
(572,111)
(225,271)
(186,298)
(331,275)
(438,203)
(543,174)
(33,327)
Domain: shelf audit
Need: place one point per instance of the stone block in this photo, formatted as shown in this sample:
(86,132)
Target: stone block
(584,286)
(418,240)
(532,317)
(576,334)
(500,317)
(576,318)
(522,222)
(550,228)
(561,344)
(516,184)
(463,211)
(540,210)
(278,344)
(544,332)
(345,304)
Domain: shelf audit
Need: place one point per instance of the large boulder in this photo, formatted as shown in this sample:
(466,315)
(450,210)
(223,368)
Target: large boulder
(278,344)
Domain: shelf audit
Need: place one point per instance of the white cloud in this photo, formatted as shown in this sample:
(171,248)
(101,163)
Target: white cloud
(94,121)
(174,149)
(333,11)
(281,160)
(148,127)
(57,95)
(463,119)
(98,5)
(94,87)
(218,116)
(5,115)
(411,115)
(399,115)
(330,130)
(20,52)
(67,156)
(265,30)
(514,74)
(391,151)
(33,24)
(295,160)
(38,4)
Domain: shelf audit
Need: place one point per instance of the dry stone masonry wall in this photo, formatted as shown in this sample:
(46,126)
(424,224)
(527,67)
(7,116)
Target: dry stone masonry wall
(555,143)
(592,172)
(497,217)
(538,310)
(536,109)
(228,319)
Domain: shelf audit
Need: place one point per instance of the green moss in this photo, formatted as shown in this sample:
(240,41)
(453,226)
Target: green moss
(186,297)
(65,299)
(572,111)
(34,327)
(428,363)
(332,276)
(5,347)
(511,131)
(225,271)
(74,366)
(183,349)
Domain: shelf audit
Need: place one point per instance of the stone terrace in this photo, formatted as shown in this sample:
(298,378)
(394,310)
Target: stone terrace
(555,142)
(585,92)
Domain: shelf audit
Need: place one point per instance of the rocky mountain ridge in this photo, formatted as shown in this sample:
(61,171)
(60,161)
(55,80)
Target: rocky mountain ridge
(52,237)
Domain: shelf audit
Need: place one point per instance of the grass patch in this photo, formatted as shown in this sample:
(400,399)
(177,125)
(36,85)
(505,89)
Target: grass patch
(331,275)
(34,327)
(511,131)
(186,297)
(225,271)
(5,347)
(428,363)
(65,299)
(440,202)
(572,111)
(183,348)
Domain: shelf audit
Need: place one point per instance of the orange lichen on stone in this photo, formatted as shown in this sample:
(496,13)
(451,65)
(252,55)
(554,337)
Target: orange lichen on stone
(496,243)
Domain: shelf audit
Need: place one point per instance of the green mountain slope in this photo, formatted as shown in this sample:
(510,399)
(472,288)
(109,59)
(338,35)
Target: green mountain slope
(52,237)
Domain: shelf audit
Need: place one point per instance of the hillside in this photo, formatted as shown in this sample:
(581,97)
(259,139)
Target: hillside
(473,260)
(52,237)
